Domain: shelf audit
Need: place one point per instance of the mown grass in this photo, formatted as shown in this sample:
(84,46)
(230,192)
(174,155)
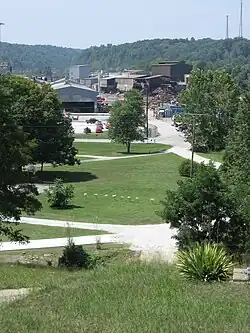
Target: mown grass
(124,298)
(114,149)
(144,178)
(42,232)
(216,156)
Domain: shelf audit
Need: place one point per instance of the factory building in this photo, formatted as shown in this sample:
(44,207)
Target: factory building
(75,97)
(175,70)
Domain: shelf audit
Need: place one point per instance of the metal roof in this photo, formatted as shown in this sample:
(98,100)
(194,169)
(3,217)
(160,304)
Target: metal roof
(67,84)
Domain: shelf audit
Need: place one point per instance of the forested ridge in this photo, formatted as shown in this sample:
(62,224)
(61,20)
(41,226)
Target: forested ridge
(234,54)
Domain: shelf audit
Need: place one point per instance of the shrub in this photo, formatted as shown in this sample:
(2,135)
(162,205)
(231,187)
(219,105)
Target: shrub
(87,130)
(185,167)
(60,195)
(205,262)
(74,256)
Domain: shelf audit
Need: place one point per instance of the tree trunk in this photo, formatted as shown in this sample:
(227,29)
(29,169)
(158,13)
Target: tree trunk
(42,167)
(128,147)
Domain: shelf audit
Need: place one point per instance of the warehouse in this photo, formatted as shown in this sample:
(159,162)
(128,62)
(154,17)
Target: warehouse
(175,70)
(75,97)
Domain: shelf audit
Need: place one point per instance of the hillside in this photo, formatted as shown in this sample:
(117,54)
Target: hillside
(35,58)
(203,50)
(209,53)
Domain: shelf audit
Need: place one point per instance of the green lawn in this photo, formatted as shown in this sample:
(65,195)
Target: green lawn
(143,177)
(103,135)
(122,298)
(41,232)
(113,149)
(216,156)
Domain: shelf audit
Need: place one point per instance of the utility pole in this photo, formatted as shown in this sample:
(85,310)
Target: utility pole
(227,27)
(1,25)
(147,106)
(193,142)
(193,115)
(241,20)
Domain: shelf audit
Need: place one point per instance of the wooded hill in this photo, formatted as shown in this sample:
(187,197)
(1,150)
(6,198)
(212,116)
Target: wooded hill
(233,54)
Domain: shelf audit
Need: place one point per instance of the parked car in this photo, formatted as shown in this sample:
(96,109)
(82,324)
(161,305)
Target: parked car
(99,129)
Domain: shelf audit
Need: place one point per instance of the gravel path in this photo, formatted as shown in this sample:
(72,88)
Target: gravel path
(147,238)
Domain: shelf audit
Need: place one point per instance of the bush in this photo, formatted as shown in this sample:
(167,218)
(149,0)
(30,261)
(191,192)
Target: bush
(74,256)
(87,130)
(185,167)
(205,262)
(60,195)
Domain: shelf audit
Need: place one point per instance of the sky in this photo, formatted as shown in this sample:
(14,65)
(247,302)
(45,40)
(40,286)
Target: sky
(83,23)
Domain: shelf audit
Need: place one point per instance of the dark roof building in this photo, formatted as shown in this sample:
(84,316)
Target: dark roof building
(176,70)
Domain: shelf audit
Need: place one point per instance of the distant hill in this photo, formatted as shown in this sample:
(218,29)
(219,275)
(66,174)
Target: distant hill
(36,58)
(234,54)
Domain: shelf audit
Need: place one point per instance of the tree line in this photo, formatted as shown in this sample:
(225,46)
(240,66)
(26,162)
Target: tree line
(33,130)
(231,54)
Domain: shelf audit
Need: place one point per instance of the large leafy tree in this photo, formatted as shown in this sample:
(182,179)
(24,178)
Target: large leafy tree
(15,152)
(202,210)
(211,101)
(236,164)
(37,110)
(127,120)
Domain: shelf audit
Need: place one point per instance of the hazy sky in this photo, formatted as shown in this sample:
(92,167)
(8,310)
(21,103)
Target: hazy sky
(81,23)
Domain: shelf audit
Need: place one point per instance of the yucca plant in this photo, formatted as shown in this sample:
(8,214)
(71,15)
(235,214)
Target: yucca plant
(205,262)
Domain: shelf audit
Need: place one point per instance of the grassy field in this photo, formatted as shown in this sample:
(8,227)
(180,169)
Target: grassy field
(216,156)
(142,177)
(122,298)
(113,149)
(41,232)
(103,135)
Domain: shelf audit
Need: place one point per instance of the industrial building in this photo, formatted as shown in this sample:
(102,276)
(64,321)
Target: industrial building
(175,70)
(75,97)
(79,72)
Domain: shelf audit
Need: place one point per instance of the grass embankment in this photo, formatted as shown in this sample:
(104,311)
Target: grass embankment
(34,231)
(114,149)
(216,156)
(122,298)
(142,177)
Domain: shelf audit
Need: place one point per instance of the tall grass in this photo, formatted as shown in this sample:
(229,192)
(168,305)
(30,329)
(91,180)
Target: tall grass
(123,298)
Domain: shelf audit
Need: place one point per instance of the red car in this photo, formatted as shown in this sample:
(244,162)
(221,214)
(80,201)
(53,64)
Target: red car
(98,129)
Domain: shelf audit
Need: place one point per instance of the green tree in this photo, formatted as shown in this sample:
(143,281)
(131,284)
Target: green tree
(235,168)
(37,110)
(16,149)
(211,101)
(201,210)
(127,120)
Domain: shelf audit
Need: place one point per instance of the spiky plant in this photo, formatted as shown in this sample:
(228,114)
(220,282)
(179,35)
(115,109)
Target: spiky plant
(205,262)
